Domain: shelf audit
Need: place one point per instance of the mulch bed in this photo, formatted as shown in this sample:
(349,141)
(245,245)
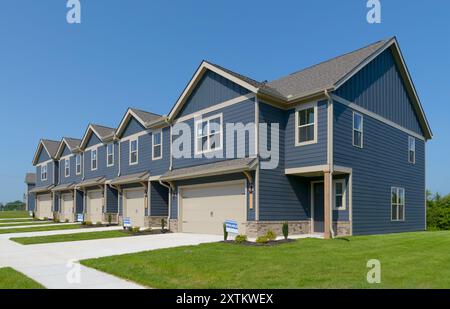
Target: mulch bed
(254,244)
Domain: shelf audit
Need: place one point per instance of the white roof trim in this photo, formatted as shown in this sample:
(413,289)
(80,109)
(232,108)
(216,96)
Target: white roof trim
(393,42)
(86,135)
(60,148)
(126,118)
(36,154)
(204,66)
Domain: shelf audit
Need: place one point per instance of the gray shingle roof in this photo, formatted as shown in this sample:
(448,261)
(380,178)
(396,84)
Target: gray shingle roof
(30,178)
(73,142)
(323,75)
(147,117)
(138,177)
(103,131)
(51,146)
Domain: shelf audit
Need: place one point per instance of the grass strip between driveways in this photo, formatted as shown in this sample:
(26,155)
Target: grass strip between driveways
(55,227)
(12,279)
(14,214)
(408,260)
(27,223)
(69,237)
(24,220)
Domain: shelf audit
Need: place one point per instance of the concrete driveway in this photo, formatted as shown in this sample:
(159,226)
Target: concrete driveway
(53,265)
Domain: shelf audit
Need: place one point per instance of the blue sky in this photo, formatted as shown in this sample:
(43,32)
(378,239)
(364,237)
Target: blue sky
(55,78)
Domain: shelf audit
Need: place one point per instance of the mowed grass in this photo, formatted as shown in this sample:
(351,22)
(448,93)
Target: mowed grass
(12,279)
(14,214)
(26,223)
(55,227)
(17,220)
(408,260)
(69,237)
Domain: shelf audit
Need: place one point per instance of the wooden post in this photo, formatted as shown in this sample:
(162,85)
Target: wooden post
(326,204)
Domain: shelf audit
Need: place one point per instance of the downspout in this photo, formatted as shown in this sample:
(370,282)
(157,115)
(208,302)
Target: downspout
(257,172)
(171,187)
(330,156)
(119,172)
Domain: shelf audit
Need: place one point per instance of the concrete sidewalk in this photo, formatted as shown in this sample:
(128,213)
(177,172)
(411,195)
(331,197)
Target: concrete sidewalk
(51,264)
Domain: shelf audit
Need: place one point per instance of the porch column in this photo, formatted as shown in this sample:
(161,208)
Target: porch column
(326,204)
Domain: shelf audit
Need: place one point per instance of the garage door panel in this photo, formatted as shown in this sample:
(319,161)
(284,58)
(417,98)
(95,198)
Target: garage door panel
(204,209)
(67,207)
(135,207)
(95,206)
(44,206)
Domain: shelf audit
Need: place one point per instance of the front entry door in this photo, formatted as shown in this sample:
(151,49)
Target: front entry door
(318,207)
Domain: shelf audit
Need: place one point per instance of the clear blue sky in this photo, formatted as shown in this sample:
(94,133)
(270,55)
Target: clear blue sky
(55,78)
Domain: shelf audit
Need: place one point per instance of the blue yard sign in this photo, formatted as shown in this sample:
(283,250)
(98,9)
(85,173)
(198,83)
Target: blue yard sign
(126,222)
(231,226)
(80,217)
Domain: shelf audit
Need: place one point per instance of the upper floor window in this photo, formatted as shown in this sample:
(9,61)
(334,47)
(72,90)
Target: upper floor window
(358,130)
(411,150)
(208,134)
(397,204)
(157,145)
(339,202)
(67,167)
(94,162)
(110,154)
(306,124)
(78,164)
(44,172)
(134,152)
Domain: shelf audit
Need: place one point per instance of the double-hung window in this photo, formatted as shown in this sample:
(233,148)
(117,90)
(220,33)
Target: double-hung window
(94,162)
(134,152)
(397,204)
(306,124)
(411,150)
(208,134)
(78,164)
(67,167)
(358,130)
(44,172)
(339,202)
(157,145)
(110,154)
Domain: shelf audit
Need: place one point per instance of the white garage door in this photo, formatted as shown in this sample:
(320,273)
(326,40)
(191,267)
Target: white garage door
(205,209)
(44,206)
(94,206)
(134,207)
(67,207)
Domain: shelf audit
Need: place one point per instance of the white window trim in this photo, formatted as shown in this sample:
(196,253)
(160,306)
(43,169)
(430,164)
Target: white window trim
(108,154)
(67,167)
(76,164)
(344,194)
(203,151)
(410,138)
(153,145)
(315,124)
(362,130)
(137,152)
(404,203)
(92,159)
(46,172)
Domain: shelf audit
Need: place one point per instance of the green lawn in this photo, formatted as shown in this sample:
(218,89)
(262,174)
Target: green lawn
(409,260)
(25,223)
(69,237)
(12,279)
(24,220)
(14,214)
(41,228)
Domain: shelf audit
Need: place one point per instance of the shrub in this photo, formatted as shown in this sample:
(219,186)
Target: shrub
(163,224)
(87,223)
(225,233)
(135,229)
(240,239)
(262,240)
(98,223)
(45,219)
(109,219)
(285,230)
(66,221)
(271,235)
(55,219)
(438,212)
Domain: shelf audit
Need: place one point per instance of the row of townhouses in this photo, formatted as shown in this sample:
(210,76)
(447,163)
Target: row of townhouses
(336,149)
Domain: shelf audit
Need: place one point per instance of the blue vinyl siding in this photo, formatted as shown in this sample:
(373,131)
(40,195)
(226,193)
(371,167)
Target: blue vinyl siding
(379,88)
(243,112)
(380,165)
(56,197)
(342,214)
(132,127)
(50,175)
(79,201)
(102,169)
(211,89)
(144,156)
(160,166)
(281,197)
(73,177)
(111,200)
(307,155)
(30,198)
(93,140)
(66,151)
(159,196)
(43,156)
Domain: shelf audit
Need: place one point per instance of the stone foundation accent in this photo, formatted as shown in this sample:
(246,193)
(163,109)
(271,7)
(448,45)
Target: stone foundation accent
(155,221)
(173,225)
(260,228)
(342,228)
(114,218)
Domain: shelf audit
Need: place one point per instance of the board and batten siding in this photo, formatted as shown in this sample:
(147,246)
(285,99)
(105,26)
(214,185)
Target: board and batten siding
(281,197)
(379,88)
(380,165)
